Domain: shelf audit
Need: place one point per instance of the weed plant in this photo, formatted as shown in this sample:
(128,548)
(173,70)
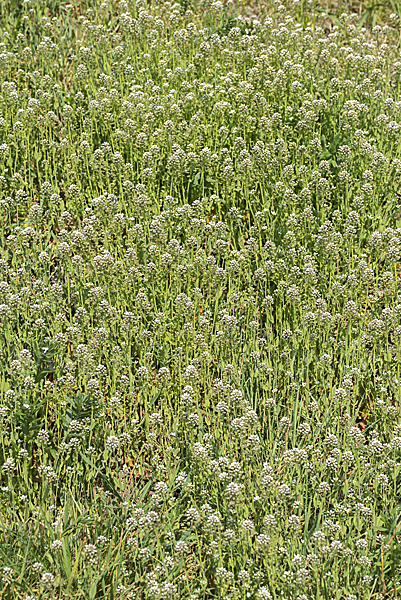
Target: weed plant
(200,303)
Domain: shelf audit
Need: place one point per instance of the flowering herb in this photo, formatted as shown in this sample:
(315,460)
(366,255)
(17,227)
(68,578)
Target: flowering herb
(200,312)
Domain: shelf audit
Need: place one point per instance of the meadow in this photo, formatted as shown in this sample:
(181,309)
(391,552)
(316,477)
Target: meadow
(200,312)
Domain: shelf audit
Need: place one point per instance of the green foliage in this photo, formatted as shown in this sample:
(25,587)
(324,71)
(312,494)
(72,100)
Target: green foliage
(200,316)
